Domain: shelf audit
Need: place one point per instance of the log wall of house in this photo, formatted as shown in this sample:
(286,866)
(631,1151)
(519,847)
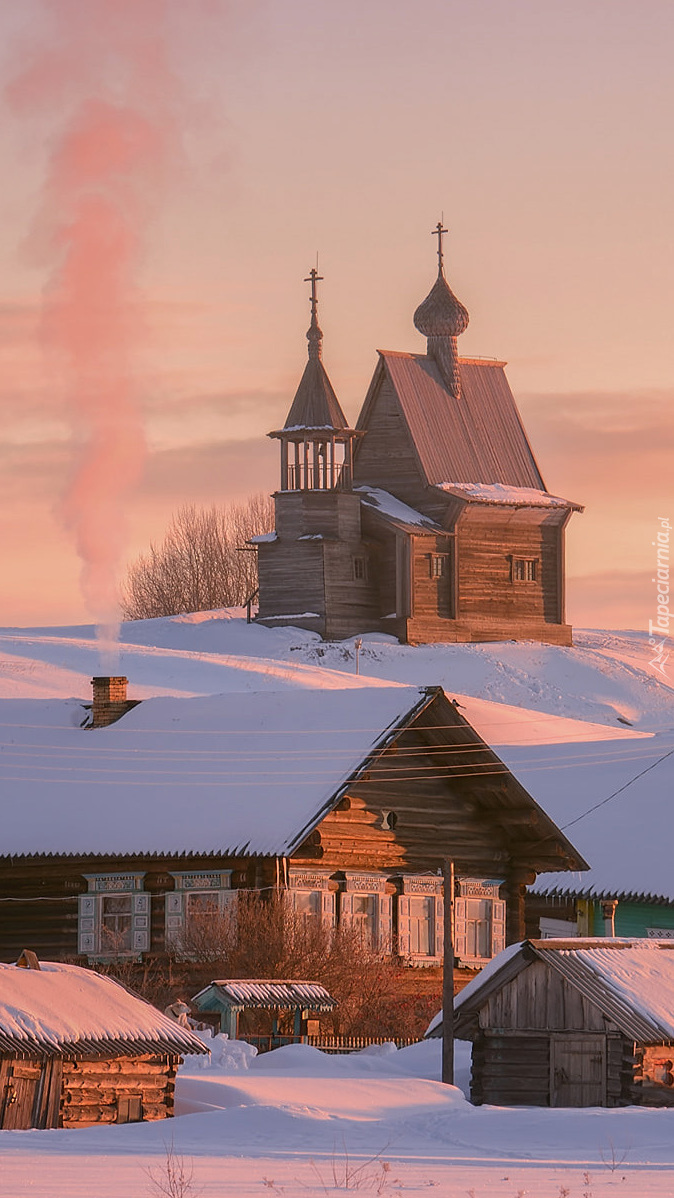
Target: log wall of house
(96,1090)
(38,897)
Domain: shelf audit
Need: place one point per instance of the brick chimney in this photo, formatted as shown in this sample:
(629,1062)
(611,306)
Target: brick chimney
(110,701)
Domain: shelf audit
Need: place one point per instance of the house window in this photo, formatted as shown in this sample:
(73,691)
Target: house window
(199,898)
(422,921)
(309,894)
(479,921)
(478,927)
(307,902)
(366,906)
(364,917)
(420,918)
(114,916)
(359,570)
(439,565)
(524,569)
(116,923)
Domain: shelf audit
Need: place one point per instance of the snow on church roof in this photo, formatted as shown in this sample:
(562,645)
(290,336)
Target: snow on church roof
(496,493)
(235,773)
(396,511)
(64,1010)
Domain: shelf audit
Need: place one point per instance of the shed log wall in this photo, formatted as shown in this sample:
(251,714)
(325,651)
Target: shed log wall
(92,1089)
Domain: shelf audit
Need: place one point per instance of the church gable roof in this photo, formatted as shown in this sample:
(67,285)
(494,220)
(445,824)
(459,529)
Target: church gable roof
(478,438)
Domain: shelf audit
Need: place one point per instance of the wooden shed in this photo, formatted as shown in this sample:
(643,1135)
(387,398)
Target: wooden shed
(291,1008)
(572,1023)
(77,1049)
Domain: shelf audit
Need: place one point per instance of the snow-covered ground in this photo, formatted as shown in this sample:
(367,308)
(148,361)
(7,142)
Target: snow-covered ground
(301,1123)
(574,724)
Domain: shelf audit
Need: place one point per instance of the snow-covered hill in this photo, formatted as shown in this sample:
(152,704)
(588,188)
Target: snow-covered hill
(606,675)
(576,725)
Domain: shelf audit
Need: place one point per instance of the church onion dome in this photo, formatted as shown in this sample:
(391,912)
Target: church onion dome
(441,314)
(442,318)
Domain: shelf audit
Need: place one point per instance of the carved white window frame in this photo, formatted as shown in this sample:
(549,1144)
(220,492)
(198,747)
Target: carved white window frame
(90,915)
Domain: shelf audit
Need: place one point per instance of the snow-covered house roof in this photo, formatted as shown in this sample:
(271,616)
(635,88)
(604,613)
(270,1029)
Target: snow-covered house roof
(63,1010)
(631,981)
(237,773)
(609,789)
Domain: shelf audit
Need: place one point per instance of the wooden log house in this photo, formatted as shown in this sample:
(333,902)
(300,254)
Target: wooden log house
(572,1023)
(78,1049)
(429,519)
(346,799)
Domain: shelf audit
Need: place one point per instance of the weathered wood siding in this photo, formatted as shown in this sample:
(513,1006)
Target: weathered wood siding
(350,603)
(385,457)
(291,579)
(539,998)
(96,1090)
(543,1043)
(487,541)
(332,514)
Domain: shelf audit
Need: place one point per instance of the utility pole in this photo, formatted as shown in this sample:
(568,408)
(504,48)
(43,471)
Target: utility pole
(448,975)
(358,645)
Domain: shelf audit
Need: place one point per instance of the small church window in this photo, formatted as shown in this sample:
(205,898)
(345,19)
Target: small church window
(524,569)
(359,571)
(439,565)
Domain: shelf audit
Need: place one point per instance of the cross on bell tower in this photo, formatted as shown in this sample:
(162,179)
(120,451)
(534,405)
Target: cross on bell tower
(315,333)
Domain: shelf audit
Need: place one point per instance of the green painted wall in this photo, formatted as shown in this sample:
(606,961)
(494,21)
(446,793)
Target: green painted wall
(632,919)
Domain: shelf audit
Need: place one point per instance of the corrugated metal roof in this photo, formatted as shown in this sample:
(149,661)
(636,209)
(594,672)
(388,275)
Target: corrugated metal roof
(476,439)
(630,981)
(65,1011)
(255,993)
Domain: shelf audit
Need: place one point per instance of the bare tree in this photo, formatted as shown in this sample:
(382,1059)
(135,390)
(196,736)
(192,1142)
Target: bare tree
(201,564)
(265,938)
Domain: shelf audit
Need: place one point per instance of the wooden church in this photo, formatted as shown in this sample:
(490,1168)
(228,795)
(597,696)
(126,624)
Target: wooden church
(430,519)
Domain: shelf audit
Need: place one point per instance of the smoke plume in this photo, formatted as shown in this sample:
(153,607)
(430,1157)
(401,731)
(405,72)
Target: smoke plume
(99,81)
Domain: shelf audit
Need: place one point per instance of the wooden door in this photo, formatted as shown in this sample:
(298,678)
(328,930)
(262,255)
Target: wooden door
(19,1085)
(577,1070)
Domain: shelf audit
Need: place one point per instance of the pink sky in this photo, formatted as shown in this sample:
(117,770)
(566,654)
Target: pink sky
(540,130)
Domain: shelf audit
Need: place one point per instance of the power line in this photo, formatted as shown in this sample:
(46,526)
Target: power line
(615,794)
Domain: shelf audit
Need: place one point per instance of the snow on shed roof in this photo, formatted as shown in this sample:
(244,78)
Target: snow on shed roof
(64,1010)
(255,993)
(631,981)
(233,773)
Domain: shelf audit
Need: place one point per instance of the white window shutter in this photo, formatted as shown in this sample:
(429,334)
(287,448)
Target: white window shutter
(439,929)
(228,901)
(346,908)
(403,926)
(460,938)
(87,924)
(174,916)
(385,923)
(498,927)
(328,908)
(141,923)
